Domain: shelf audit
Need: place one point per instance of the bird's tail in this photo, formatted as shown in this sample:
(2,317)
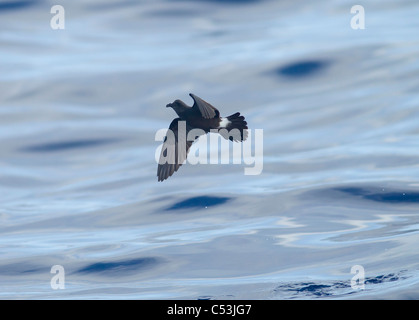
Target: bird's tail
(235,128)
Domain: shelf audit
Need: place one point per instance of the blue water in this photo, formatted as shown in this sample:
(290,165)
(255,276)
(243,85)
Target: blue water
(339,109)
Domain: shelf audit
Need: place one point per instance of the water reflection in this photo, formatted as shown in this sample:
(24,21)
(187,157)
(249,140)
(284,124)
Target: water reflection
(69,145)
(382,195)
(200,202)
(303,69)
(14,5)
(121,267)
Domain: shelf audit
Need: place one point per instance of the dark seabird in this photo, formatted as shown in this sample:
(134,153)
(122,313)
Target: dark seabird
(203,116)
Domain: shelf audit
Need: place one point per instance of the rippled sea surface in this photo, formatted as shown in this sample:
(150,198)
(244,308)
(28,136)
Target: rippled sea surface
(80,107)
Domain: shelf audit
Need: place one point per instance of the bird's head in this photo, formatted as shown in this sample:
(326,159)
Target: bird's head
(177,105)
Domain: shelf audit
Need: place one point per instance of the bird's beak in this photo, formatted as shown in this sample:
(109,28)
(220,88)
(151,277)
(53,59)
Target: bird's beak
(168,105)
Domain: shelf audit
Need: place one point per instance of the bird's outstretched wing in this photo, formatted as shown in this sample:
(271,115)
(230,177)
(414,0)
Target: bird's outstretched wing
(175,148)
(207,111)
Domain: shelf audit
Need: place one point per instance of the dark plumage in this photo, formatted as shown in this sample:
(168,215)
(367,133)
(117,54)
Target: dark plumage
(201,115)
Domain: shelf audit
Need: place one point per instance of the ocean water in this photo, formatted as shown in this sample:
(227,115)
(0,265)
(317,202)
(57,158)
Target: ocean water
(339,110)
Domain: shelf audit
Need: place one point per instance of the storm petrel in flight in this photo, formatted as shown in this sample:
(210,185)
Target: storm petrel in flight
(203,117)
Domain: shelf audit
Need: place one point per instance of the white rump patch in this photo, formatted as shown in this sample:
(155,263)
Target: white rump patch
(224,123)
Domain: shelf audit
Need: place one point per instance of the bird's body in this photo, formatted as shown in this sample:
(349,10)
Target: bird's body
(203,116)
(193,117)
(207,120)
